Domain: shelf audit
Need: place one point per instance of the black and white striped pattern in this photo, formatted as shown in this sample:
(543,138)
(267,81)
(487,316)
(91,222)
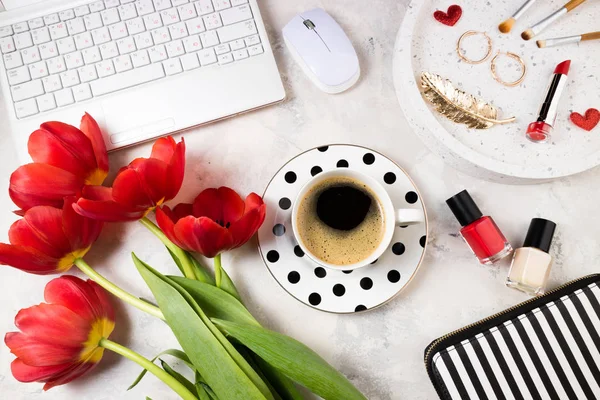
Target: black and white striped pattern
(551,352)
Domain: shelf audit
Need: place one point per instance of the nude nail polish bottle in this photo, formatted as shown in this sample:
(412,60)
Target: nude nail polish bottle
(531,263)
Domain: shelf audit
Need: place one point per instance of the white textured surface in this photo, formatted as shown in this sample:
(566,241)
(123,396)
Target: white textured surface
(502,152)
(381,351)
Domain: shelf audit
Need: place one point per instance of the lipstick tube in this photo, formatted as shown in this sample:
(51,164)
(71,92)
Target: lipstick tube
(539,131)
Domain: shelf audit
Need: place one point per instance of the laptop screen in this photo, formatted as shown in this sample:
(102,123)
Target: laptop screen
(13,4)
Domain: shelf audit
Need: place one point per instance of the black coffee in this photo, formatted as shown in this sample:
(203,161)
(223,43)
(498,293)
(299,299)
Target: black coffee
(343,207)
(340,221)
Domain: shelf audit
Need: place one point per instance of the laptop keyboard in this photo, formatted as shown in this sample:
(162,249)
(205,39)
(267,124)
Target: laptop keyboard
(106,46)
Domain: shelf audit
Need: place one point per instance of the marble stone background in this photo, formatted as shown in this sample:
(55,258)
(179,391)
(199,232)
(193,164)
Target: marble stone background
(380,351)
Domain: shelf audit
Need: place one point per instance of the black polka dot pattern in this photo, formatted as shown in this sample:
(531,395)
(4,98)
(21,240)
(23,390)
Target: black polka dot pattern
(279,230)
(294,277)
(398,248)
(366,283)
(369,158)
(389,178)
(273,256)
(411,197)
(285,203)
(314,299)
(290,177)
(298,251)
(339,290)
(393,276)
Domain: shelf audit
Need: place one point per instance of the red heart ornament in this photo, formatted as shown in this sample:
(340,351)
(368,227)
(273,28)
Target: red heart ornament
(587,122)
(451,17)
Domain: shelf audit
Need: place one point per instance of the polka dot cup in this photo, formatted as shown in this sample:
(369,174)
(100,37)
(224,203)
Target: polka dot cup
(340,291)
(392,217)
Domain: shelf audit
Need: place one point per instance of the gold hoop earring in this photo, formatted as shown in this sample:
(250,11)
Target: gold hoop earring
(515,57)
(473,33)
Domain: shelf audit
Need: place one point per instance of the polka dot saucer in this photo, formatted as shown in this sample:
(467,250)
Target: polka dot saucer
(326,289)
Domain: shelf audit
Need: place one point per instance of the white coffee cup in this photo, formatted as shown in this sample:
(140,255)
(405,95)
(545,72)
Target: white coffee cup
(393,217)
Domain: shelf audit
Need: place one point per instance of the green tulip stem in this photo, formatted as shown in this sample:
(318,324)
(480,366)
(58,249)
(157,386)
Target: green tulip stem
(218,270)
(161,374)
(223,281)
(117,291)
(186,263)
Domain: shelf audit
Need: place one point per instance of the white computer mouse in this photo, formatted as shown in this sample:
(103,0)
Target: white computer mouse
(323,50)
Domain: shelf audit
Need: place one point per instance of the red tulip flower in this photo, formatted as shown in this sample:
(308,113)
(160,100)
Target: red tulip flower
(218,220)
(59,339)
(48,240)
(65,159)
(138,188)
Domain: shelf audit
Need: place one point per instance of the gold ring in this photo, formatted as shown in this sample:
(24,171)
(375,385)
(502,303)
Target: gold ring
(515,57)
(473,33)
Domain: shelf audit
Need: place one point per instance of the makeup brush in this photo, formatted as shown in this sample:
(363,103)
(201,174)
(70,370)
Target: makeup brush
(543,24)
(507,25)
(568,39)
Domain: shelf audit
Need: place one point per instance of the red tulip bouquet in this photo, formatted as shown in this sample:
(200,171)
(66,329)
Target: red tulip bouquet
(63,206)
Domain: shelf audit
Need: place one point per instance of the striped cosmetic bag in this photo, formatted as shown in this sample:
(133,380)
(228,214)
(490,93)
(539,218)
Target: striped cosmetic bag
(545,348)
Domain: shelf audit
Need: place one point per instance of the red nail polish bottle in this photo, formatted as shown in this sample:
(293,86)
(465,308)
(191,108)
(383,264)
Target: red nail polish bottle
(480,232)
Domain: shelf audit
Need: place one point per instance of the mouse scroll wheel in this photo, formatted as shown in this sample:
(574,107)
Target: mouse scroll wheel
(309,24)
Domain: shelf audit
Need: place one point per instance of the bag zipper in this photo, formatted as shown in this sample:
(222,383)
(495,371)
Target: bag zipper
(436,343)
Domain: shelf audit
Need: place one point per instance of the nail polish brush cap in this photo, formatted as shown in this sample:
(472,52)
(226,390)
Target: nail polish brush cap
(464,208)
(540,234)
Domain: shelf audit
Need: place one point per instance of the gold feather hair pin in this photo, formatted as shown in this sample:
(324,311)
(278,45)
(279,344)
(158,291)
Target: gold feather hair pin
(457,105)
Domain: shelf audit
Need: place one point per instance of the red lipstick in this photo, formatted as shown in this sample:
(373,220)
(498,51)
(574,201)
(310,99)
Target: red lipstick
(563,67)
(539,131)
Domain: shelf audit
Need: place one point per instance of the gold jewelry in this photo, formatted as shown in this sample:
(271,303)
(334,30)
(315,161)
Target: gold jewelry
(515,57)
(473,33)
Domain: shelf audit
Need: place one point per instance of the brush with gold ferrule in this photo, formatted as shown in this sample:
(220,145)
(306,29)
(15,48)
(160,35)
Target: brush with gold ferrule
(507,25)
(568,40)
(549,20)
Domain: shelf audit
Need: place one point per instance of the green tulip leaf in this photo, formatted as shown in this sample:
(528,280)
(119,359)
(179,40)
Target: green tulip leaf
(294,359)
(283,385)
(176,259)
(249,356)
(201,273)
(180,378)
(241,362)
(200,384)
(219,304)
(172,352)
(202,395)
(207,390)
(204,350)
(215,302)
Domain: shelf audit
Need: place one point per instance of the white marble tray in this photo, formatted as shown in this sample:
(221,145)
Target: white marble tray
(502,153)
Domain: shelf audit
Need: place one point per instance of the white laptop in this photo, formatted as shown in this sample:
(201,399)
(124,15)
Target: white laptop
(141,68)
